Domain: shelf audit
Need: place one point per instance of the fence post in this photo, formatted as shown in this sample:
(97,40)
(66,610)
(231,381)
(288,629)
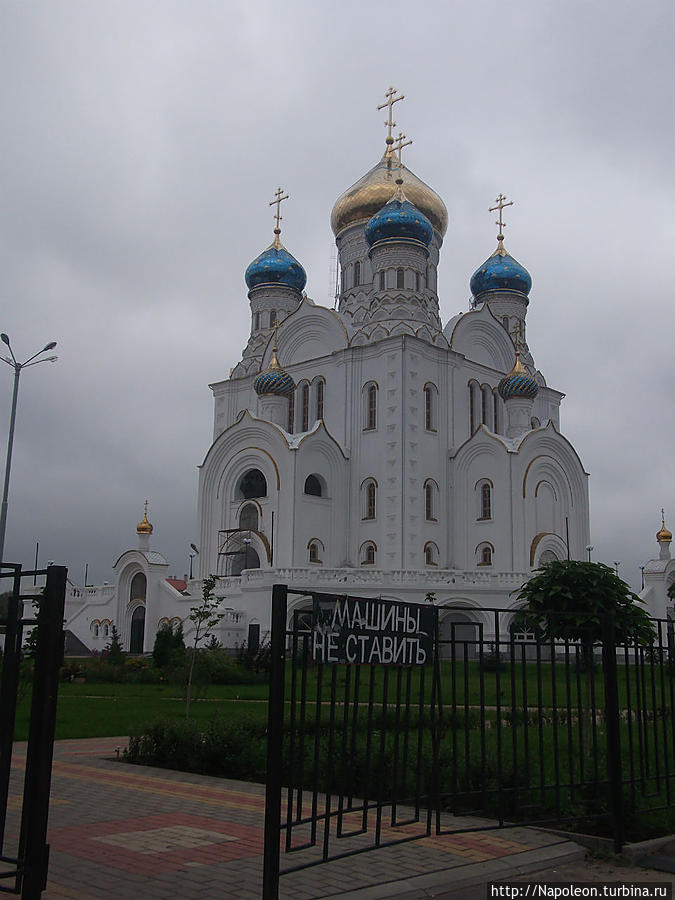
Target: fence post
(275,730)
(9,685)
(33,849)
(612,729)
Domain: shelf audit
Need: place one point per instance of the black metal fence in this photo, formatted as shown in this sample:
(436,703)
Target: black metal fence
(496,727)
(24,854)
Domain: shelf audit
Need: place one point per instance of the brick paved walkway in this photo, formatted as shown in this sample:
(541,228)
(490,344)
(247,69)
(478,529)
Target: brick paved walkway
(135,832)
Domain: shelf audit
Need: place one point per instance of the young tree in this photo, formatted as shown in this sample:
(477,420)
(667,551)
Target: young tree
(204,618)
(116,653)
(573,601)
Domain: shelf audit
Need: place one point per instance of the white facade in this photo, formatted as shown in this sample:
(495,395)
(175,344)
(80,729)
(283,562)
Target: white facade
(400,470)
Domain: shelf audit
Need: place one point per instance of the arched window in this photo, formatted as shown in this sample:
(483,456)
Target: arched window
(313,486)
(137,630)
(485,396)
(430,554)
(369,489)
(429,407)
(315,547)
(319,398)
(368,553)
(248,517)
(505,322)
(495,412)
(138,588)
(473,406)
(417,281)
(106,629)
(273,318)
(245,558)
(371,407)
(485,500)
(291,413)
(257,322)
(400,278)
(95,628)
(382,280)
(304,399)
(252,484)
(484,553)
(534,422)
(357,274)
(430,500)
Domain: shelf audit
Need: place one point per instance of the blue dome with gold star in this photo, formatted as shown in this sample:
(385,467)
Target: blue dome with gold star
(274,380)
(501,272)
(399,220)
(276,266)
(518,383)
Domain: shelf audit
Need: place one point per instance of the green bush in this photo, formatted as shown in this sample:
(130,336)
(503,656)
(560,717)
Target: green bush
(169,648)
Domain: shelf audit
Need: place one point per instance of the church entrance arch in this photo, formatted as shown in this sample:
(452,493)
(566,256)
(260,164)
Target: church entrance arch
(458,635)
(137,630)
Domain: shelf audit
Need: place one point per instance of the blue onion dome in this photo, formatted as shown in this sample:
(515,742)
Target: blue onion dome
(399,221)
(276,266)
(501,272)
(518,383)
(274,380)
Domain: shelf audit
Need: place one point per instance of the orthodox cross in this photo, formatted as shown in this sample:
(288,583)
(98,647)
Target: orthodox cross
(500,206)
(399,144)
(389,103)
(516,339)
(278,197)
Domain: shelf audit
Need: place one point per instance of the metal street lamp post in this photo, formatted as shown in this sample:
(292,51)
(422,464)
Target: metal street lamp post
(617,563)
(17,366)
(642,570)
(589,549)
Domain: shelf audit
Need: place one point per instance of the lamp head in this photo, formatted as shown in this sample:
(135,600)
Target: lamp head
(4,338)
(49,346)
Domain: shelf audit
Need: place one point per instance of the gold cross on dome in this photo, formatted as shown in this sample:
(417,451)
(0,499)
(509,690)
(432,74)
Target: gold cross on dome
(399,144)
(278,197)
(146,510)
(500,206)
(389,104)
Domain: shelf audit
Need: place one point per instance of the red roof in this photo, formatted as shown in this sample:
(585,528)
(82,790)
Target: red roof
(177,583)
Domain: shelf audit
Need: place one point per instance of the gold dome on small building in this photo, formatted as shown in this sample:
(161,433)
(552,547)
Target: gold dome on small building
(144,527)
(663,535)
(369,194)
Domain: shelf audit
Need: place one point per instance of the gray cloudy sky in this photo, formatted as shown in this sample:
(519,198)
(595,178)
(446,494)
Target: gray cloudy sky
(142,142)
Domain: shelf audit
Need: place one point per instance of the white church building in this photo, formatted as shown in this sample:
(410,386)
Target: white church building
(372,449)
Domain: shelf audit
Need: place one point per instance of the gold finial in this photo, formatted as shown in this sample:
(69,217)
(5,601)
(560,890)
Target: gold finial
(398,146)
(664,534)
(500,237)
(389,103)
(278,197)
(274,362)
(144,527)
(518,368)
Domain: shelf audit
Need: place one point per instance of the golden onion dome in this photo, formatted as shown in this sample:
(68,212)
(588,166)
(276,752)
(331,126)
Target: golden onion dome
(663,535)
(144,527)
(369,194)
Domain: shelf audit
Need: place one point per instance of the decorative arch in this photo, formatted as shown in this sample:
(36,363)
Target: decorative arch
(431,554)
(315,549)
(138,588)
(545,543)
(369,499)
(249,513)
(251,485)
(485,554)
(315,485)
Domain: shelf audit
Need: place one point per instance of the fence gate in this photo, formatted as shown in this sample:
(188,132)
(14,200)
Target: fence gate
(389,721)
(24,852)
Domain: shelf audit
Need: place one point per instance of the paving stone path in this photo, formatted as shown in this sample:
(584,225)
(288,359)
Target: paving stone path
(124,831)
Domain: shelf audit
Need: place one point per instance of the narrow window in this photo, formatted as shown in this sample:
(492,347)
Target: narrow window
(486,556)
(399,278)
(319,399)
(495,411)
(485,502)
(273,318)
(429,502)
(505,322)
(430,554)
(313,486)
(305,407)
(472,408)
(291,412)
(343,279)
(428,409)
(371,413)
(484,406)
(257,321)
(370,500)
(382,280)
(368,554)
(357,274)
(417,281)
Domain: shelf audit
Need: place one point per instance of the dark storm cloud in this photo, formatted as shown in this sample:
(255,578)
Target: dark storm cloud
(143,141)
